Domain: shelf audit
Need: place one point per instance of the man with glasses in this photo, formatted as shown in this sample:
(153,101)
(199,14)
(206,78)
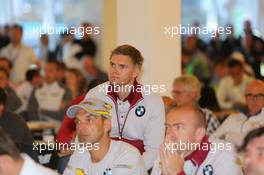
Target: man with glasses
(236,126)
(186,90)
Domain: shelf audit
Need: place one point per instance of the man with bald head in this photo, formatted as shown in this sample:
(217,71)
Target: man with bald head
(186,149)
(236,126)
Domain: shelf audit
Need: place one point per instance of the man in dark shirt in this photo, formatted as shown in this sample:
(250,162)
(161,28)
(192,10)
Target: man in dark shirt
(16,128)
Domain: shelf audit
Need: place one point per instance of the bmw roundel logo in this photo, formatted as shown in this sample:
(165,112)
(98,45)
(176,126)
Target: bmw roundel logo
(140,111)
(208,170)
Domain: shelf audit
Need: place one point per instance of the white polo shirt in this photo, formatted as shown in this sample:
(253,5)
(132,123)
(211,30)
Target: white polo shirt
(21,57)
(50,96)
(30,167)
(121,159)
(221,161)
(140,117)
(236,127)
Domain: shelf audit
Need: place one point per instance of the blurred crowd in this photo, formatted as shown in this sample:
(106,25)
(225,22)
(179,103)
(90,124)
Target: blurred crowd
(42,83)
(224,66)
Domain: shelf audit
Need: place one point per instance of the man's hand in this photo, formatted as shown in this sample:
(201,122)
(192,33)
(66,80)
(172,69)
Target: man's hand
(172,162)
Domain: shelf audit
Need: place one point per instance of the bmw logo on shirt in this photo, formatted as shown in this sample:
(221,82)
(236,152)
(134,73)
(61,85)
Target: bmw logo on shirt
(208,170)
(108,171)
(140,111)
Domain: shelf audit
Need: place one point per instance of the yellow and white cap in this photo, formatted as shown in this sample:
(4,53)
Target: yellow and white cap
(93,106)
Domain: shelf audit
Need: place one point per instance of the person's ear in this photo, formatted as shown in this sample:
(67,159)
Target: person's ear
(193,95)
(136,71)
(107,125)
(199,134)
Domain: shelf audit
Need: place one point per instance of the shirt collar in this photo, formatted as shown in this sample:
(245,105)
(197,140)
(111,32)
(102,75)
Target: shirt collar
(257,113)
(198,156)
(134,96)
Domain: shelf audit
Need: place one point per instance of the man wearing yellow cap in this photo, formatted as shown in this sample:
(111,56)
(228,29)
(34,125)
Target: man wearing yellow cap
(105,156)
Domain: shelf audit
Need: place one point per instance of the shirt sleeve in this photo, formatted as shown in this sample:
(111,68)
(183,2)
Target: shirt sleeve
(226,126)
(226,164)
(154,133)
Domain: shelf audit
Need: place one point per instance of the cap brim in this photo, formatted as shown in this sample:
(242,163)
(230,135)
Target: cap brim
(71,112)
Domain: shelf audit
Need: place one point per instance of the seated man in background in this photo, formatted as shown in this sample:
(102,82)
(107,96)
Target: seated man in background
(16,127)
(14,163)
(24,91)
(13,103)
(187,150)
(186,90)
(51,99)
(231,90)
(236,126)
(253,148)
(103,156)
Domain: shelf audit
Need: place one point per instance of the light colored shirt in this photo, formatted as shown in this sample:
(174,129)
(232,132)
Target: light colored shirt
(221,161)
(228,93)
(121,159)
(236,127)
(21,57)
(50,96)
(30,167)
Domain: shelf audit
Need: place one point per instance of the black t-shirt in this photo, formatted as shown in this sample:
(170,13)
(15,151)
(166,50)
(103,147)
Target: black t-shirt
(17,129)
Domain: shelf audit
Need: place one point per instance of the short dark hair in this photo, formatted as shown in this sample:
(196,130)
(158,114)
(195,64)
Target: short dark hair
(3,96)
(31,73)
(18,26)
(7,146)
(234,63)
(256,133)
(10,65)
(131,52)
(4,71)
